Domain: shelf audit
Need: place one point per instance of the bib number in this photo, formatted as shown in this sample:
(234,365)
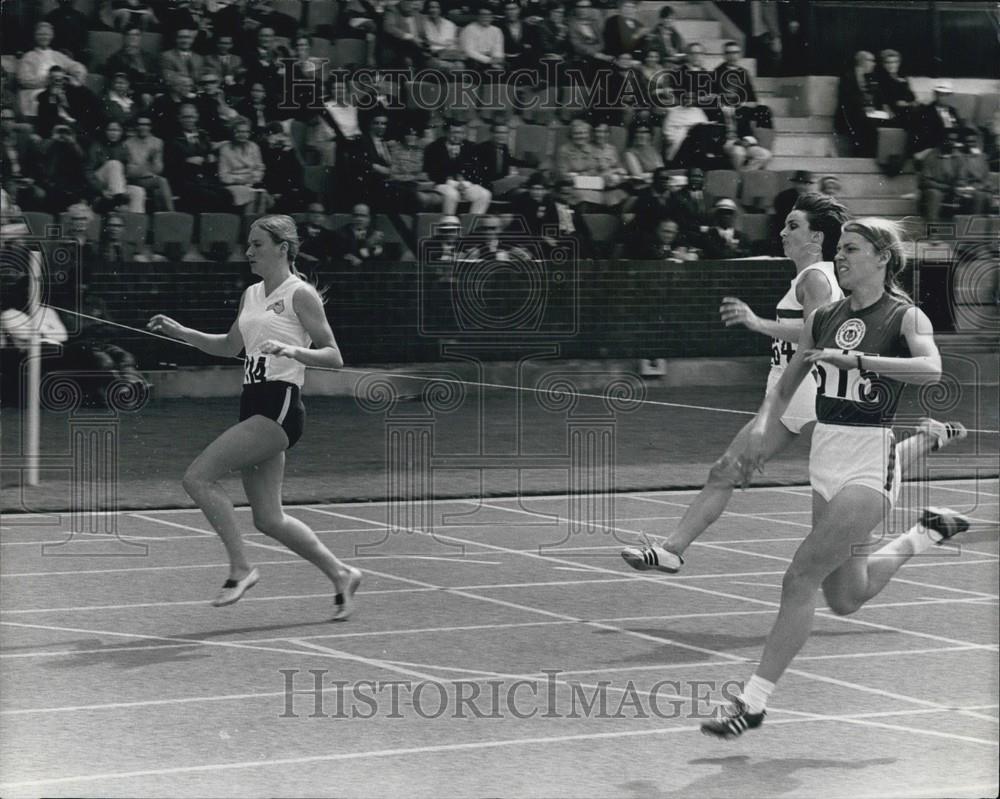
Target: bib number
(255,369)
(779,349)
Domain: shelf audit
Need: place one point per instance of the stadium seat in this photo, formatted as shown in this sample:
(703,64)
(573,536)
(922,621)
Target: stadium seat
(152,44)
(965,104)
(891,144)
(759,190)
(349,51)
(619,138)
(291,8)
(756,227)
(93,229)
(173,234)
(604,231)
(136,228)
(533,140)
(38,223)
(722,183)
(765,137)
(322,48)
(219,233)
(425,226)
(986,106)
(103,45)
(544,107)
(297,132)
(323,15)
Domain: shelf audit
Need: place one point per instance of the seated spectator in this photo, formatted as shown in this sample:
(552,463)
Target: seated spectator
(182,59)
(609,165)
(642,158)
(165,110)
(932,123)
(664,245)
(317,243)
(263,62)
(577,160)
(440,38)
(487,243)
(623,33)
(374,164)
(307,78)
(67,290)
(19,161)
(65,104)
(894,88)
(519,41)
(665,39)
(409,181)
(651,204)
(107,166)
(145,165)
(131,61)
(358,241)
(586,43)
(34,69)
(531,208)
(450,162)
(746,154)
(138,14)
(70,29)
(191,167)
(441,251)
(694,79)
(733,85)
(81,217)
(63,174)
(955,174)
(991,146)
(723,240)
(241,170)
(860,107)
(402,46)
(802,183)
(283,172)
(690,205)
(566,221)
(215,115)
(497,165)
(118,103)
(678,124)
(653,73)
(114,253)
(225,63)
(258,109)
(553,34)
(482,42)
(829,186)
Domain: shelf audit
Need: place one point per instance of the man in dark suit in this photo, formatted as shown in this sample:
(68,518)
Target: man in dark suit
(191,168)
(531,209)
(623,33)
(689,206)
(263,63)
(166,108)
(733,86)
(723,240)
(317,243)
(182,60)
(374,164)
(860,105)
(496,162)
(451,164)
(519,40)
(66,104)
(936,121)
(564,223)
(651,204)
(358,241)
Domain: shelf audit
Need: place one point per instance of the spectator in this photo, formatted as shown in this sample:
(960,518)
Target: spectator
(532,208)
(19,160)
(307,77)
(440,38)
(723,240)
(566,220)
(118,103)
(450,162)
(63,175)
(860,108)
(441,251)
(733,85)
(107,165)
(215,115)
(34,69)
(991,148)
(402,45)
(182,60)
(126,14)
(746,154)
(802,182)
(623,33)
(894,88)
(410,182)
(145,165)
(955,174)
(137,66)
(358,241)
(375,164)
(283,173)
(241,170)
(653,73)
(316,241)
(113,251)
(497,165)
(263,63)
(642,158)
(609,165)
(553,34)
(66,104)
(934,121)
(585,43)
(829,185)
(258,109)
(665,39)
(690,205)
(165,110)
(482,42)
(225,63)
(577,158)
(190,166)
(519,43)
(487,244)
(678,124)
(70,30)
(651,204)
(67,290)
(664,245)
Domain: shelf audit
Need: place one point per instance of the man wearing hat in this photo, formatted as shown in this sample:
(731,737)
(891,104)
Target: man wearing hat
(935,120)
(723,240)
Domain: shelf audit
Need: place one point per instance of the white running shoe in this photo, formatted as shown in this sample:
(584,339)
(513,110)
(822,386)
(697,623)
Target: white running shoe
(233,590)
(345,601)
(941,433)
(652,556)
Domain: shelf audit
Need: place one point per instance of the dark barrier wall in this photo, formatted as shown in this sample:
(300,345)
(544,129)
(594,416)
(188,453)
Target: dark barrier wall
(400,313)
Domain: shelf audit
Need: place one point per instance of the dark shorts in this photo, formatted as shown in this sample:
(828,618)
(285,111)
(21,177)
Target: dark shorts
(279,401)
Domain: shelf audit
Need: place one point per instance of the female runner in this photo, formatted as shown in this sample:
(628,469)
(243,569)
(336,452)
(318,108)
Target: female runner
(279,318)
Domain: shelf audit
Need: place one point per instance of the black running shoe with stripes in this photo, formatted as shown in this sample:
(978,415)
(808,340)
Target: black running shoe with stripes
(734,721)
(944,521)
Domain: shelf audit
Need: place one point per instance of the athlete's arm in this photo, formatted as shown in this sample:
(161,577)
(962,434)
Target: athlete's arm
(923,367)
(221,344)
(325,353)
(812,292)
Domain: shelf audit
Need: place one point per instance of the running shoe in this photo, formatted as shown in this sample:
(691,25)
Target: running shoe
(345,601)
(941,433)
(652,556)
(233,590)
(733,721)
(945,522)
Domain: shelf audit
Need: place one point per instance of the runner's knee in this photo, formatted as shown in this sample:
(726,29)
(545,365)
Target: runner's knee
(726,471)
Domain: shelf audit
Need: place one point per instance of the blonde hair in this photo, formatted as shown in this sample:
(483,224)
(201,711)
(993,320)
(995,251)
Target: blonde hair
(281,228)
(885,236)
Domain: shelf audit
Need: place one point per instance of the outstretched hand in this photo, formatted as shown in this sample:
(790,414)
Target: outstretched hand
(165,325)
(736,312)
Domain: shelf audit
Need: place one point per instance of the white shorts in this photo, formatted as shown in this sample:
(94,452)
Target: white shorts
(801,409)
(842,455)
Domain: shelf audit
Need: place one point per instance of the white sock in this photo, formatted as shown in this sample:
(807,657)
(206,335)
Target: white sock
(916,540)
(756,693)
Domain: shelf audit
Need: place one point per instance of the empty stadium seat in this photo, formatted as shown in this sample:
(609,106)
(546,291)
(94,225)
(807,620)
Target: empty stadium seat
(986,106)
(533,140)
(722,183)
(39,223)
(136,228)
(218,234)
(765,137)
(965,104)
(173,234)
(759,190)
(891,144)
(349,51)
(604,230)
(291,8)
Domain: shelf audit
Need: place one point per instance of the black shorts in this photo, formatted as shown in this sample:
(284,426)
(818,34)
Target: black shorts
(279,401)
